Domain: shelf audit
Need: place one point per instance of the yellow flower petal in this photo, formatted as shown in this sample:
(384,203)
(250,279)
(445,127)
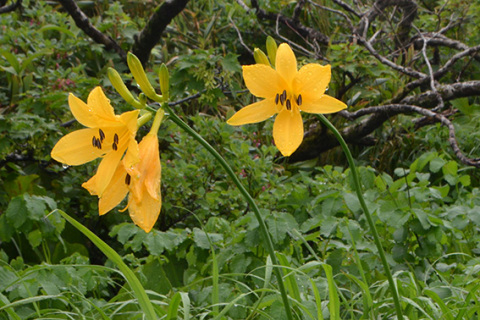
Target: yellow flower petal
(99,182)
(146,174)
(326,104)
(262,80)
(253,113)
(150,164)
(115,192)
(100,105)
(144,213)
(288,131)
(286,63)
(82,112)
(96,113)
(312,81)
(77,148)
(129,119)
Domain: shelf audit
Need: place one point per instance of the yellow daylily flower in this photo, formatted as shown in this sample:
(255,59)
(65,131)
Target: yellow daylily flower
(107,136)
(142,180)
(145,200)
(286,92)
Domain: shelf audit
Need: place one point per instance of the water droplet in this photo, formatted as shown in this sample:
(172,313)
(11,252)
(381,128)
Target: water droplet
(65,166)
(326,89)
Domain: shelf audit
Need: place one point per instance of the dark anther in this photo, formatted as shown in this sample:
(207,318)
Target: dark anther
(299,100)
(127,179)
(115,138)
(276,98)
(102,135)
(96,143)
(283,97)
(289,105)
(114,146)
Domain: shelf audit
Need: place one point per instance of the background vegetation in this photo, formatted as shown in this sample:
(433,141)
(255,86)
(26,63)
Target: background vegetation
(409,72)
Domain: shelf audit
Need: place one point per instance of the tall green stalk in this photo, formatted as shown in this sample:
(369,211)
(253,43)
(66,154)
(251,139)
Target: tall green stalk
(246,195)
(358,189)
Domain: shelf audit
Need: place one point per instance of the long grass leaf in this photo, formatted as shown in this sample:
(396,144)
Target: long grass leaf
(334,300)
(186,305)
(132,280)
(173,307)
(318,299)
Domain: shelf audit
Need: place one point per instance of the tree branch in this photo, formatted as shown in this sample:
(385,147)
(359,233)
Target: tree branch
(82,21)
(151,34)
(304,31)
(316,141)
(11,7)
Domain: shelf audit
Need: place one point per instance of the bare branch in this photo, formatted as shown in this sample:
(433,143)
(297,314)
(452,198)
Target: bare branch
(438,117)
(298,9)
(151,34)
(408,71)
(304,31)
(447,91)
(347,7)
(317,141)
(11,7)
(82,21)
(444,69)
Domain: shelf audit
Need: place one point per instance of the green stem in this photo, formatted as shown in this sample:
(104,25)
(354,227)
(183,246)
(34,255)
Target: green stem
(358,189)
(246,195)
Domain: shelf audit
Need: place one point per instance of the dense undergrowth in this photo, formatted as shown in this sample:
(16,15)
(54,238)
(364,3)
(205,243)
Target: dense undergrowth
(205,259)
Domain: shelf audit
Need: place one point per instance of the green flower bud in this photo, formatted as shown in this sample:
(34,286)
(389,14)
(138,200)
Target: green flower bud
(138,73)
(164,79)
(271,49)
(260,57)
(118,84)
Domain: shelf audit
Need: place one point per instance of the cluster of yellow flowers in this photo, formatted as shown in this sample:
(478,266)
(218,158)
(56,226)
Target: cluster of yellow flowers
(128,167)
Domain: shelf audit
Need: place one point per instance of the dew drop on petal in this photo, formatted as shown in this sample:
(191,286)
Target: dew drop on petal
(65,166)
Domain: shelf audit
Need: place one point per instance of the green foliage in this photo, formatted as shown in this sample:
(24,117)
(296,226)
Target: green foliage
(206,258)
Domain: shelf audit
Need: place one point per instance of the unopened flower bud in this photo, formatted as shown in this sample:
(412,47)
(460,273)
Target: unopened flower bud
(118,84)
(260,57)
(164,79)
(138,73)
(271,50)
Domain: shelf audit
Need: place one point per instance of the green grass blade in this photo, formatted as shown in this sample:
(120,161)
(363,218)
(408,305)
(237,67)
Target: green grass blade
(334,300)
(3,302)
(290,280)
(318,300)
(173,307)
(186,305)
(132,280)
(465,306)
(447,314)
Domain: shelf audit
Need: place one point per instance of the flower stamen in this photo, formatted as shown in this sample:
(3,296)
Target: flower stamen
(114,146)
(127,179)
(283,97)
(96,143)
(276,98)
(115,138)
(299,100)
(102,135)
(289,105)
